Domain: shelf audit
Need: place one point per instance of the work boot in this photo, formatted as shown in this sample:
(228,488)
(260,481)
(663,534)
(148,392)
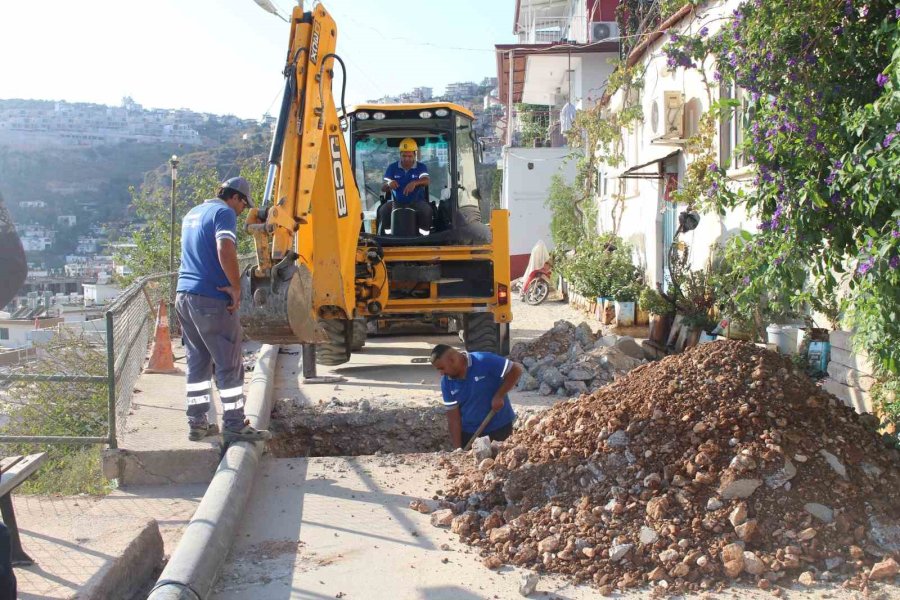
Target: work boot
(245,434)
(198,431)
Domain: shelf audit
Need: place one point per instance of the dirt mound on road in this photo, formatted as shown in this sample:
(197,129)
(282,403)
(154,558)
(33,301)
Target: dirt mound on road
(716,464)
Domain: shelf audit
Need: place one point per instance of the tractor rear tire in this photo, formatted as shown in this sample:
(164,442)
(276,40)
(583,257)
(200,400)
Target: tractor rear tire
(481,334)
(359,335)
(336,350)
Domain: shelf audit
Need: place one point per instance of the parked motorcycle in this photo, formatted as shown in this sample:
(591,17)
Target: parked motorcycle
(537,285)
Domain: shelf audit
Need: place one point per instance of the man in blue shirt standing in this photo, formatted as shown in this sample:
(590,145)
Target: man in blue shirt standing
(407,180)
(473,384)
(209,295)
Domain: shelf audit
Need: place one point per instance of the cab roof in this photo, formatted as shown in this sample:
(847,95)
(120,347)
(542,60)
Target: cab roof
(422,106)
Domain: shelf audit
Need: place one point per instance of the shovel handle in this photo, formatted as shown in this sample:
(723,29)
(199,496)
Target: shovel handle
(481,427)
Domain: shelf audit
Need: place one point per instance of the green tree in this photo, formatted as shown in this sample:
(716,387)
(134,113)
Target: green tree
(152,205)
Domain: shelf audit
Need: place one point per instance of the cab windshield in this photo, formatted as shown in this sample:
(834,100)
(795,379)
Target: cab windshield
(374,152)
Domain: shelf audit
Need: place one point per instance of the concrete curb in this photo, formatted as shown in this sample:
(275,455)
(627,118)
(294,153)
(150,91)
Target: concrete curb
(122,576)
(192,571)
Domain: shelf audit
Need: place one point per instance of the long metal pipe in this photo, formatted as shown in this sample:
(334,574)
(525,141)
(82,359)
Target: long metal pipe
(192,571)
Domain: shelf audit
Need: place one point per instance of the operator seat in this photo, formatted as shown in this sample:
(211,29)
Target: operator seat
(403,221)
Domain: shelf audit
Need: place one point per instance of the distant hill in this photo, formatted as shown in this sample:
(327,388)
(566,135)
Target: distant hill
(92,182)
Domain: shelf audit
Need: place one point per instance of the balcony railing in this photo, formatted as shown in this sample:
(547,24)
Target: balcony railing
(547,30)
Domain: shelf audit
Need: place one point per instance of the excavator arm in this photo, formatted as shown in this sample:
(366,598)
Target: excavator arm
(307,226)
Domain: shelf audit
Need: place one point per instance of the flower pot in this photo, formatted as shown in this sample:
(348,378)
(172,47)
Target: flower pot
(624,313)
(784,337)
(641,316)
(693,337)
(660,327)
(736,331)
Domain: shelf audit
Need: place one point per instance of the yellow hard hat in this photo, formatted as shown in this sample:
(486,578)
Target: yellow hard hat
(408,145)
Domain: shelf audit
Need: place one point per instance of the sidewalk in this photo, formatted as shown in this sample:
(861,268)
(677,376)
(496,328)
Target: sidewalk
(75,540)
(80,544)
(154,448)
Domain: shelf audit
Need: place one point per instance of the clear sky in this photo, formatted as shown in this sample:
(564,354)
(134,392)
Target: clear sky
(226,56)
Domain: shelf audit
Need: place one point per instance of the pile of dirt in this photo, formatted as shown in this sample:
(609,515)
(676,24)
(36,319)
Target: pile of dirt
(570,360)
(718,464)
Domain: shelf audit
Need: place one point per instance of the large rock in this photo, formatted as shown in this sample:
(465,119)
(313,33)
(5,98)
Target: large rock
(576,387)
(552,377)
(627,346)
(545,389)
(584,335)
(528,383)
(482,448)
(581,373)
(607,341)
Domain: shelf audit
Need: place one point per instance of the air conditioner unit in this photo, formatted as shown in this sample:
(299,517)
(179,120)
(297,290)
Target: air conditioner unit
(673,114)
(604,30)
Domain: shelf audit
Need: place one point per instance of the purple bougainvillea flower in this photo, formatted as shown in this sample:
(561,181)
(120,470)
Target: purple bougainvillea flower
(746,280)
(865,266)
(882,79)
(703,31)
(888,139)
(894,262)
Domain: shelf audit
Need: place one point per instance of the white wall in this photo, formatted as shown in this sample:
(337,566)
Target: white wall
(525,192)
(99,293)
(642,220)
(589,80)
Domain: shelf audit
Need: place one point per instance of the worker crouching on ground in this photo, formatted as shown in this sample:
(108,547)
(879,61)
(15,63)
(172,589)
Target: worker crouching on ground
(209,295)
(473,385)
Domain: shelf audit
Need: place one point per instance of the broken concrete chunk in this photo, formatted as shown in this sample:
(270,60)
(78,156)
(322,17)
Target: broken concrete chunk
(730,487)
(618,439)
(528,583)
(648,535)
(618,551)
(819,511)
(482,449)
(834,463)
(442,518)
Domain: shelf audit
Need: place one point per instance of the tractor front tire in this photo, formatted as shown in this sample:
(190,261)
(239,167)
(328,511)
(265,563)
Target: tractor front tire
(336,350)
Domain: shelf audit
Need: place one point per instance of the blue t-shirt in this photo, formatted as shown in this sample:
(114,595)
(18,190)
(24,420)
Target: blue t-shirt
(395,172)
(201,272)
(474,392)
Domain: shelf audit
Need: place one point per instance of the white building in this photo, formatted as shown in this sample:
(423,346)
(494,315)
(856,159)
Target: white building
(97,294)
(20,333)
(558,60)
(654,151)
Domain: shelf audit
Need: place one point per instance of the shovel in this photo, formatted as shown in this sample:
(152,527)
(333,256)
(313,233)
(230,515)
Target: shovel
(481,427)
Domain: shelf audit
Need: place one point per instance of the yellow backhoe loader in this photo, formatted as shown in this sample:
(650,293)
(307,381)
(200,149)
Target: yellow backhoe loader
(324,264)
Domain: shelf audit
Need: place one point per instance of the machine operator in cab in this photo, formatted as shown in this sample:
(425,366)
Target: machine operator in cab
(407,179)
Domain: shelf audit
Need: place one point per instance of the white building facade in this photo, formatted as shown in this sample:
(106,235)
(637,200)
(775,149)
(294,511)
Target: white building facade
(635,199)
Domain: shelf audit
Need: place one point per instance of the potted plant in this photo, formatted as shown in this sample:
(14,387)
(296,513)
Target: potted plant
(662,313)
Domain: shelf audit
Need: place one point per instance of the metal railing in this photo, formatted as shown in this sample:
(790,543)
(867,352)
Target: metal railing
(545,30)
(123,343)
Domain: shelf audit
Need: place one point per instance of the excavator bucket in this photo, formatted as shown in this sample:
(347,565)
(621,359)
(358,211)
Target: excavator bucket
(278,309)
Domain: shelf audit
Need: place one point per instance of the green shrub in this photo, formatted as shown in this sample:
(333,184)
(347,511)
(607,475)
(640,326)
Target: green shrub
(64,409)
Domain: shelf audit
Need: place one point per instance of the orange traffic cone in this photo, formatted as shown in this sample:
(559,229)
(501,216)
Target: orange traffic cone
(162,360)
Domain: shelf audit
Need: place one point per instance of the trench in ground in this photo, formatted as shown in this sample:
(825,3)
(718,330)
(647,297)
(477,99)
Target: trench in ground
(300,432)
